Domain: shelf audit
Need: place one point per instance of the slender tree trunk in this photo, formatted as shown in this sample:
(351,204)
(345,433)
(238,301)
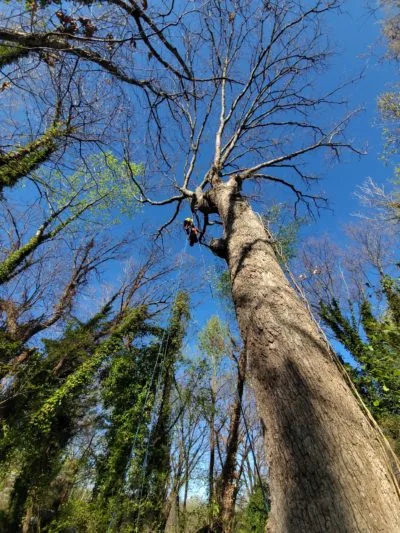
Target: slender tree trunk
(185,498)
(228,482)
(178,513)
(329,471)
(171,510)
(212,445)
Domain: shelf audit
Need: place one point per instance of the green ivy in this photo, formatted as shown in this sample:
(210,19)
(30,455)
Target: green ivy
(42,419)
(376,350)
(105,181)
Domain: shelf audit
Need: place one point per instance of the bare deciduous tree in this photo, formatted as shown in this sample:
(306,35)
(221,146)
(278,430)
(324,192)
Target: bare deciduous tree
(235,97)
(259,120)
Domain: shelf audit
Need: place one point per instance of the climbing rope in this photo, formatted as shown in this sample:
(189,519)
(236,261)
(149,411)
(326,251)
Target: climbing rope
(159,360)
(158,386)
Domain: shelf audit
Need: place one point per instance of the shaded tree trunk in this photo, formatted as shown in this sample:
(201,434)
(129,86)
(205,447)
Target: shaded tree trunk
(329,470)
(227,486)
(211,464)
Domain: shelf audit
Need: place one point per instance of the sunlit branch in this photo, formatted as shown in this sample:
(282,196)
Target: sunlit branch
(170,221)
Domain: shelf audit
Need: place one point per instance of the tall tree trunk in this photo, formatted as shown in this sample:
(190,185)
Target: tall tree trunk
(158,466)
(171,507)
(185,498)
(212,448)
(329,471)
(228,482)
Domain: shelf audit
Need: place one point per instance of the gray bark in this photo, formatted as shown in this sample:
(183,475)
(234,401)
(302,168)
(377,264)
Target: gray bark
(329,470)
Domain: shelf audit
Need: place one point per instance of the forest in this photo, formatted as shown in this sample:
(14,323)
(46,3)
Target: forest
(199,266)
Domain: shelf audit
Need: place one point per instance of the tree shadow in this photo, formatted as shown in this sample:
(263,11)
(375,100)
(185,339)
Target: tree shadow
(306,470)
(312,486)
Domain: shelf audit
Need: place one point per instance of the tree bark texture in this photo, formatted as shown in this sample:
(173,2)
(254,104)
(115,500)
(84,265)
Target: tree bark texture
(227,485)
(329,471)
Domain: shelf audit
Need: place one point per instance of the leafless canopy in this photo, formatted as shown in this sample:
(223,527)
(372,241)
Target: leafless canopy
(228,88)
(260,115)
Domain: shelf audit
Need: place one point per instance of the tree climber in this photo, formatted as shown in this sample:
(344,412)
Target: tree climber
(191,231)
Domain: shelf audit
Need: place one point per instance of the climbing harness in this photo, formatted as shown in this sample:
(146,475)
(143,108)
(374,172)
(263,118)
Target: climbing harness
(191,231)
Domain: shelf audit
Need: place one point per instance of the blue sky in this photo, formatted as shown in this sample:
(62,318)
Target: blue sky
(355,35)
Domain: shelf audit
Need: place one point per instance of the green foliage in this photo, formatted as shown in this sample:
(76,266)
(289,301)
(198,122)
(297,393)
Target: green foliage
(391,288)
(103,181)
(157,466)
(177,327)
(9,348)
(16,257)
(79,514)
(285,230)
(128,402)
(376,350)
(253,517)
(99,196)
(56,398)
(391,26)
(390,425)
(130,323)
(9,54)
(389,108)
(38,450)
(214,338)
(132,469)
(223,286)
(39,379)
(389,102)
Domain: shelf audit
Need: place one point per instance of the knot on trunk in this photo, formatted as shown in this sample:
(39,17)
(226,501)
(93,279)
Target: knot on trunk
(219,248)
